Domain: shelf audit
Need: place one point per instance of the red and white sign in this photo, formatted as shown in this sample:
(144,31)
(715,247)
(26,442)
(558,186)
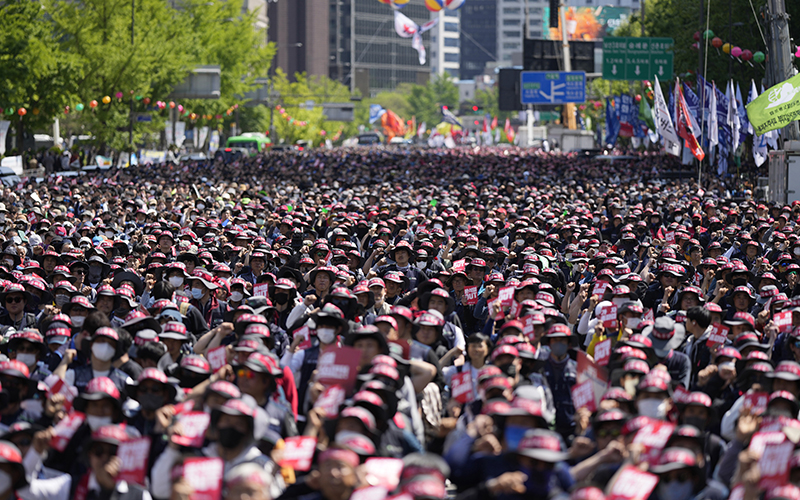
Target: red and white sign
(65,429)
(589,370)
(760,441)
(32,218)
(204,475)
(330,400)
(654,436)
(515,310)
(506,295)
(218,357)
(305,334)
(461,387)
(608,315)
(459,266)
(774,464)
(500,313)
(600,288)
(384,472)
(133,460)
(69,393)
(648,315)
(184,407)
(338,366)
(370,493)
(755,403)
(680,395)
(261,290)
(528,327)
(193,429)
(718,335)
(783,320)
(602,352)
(470,295)
(670,237)
(583,396)
(298,452)
(632,484)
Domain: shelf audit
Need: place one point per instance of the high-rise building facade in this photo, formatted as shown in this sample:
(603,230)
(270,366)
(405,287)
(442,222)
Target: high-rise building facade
(445,49)
(299,29)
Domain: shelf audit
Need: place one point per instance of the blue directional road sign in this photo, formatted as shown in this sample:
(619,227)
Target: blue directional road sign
(553,87)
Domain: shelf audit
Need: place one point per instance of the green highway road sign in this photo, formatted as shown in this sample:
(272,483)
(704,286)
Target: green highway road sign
(627,58)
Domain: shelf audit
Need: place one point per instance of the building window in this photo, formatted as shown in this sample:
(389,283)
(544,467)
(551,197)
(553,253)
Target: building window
(536,11)
(452,27)
(512,46)
(536,34)
(511,10)
(512,34)
(510,22)
(451,58)
(451,42)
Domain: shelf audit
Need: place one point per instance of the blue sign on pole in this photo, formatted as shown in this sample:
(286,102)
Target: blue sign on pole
(553,87)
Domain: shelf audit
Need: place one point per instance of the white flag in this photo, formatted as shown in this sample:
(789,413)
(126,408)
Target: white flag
(664,124)
(713,119)
(733,116)
(772,135)
(759,141)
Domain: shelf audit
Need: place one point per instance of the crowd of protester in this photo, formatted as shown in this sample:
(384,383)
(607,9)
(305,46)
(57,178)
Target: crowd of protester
(412,325)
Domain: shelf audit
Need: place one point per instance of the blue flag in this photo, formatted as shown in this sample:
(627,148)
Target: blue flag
(375,113)
(612,123)
(725,133)
(450,118)
(625,109)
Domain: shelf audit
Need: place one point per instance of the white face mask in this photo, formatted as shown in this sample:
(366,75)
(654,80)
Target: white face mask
(97,422)
(237,296)
(448,232)
(633,323)
(491,232)
(796,251)
(197,293)
(596,220)
(520,242)
(28,359)
(326,335)
(422,265)
(260,222)
(176,281)
(193,217)
(102,351)
(78,320)
(5,481)
(678,218)
(201,207)
(437,226)
(652,407)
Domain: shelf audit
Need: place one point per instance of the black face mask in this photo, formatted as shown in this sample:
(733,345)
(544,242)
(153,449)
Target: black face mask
(230,437)
(13,393)
(151,402)
(281,298)
(698,422)
(191,380)
(509,370)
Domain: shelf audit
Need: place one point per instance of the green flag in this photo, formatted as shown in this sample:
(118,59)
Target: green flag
(646,114)
(775,108)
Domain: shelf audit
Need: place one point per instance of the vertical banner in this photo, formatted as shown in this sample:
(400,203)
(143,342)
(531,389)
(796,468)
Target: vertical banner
(3,135)
(213,142)
(180,133)
(202,136)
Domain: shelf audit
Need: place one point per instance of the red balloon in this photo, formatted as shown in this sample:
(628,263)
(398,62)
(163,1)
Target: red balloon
(716,42)
(696,36)
(747,55)
(147,100)
(638,97)
(695,46)
(93,104)
(22,111)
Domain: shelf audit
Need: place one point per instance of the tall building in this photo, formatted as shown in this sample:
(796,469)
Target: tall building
(365,51)
(445,46)
(299,29)
(478,37)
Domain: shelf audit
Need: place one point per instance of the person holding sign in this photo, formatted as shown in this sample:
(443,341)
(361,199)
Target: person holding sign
(104,465)
(681,478)
(561,373)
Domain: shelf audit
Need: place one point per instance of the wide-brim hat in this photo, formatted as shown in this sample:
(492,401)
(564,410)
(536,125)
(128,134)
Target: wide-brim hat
(424,300)
(665,334)
(138,285)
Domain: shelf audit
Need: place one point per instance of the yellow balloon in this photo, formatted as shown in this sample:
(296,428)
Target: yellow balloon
(726,47)
(106,100)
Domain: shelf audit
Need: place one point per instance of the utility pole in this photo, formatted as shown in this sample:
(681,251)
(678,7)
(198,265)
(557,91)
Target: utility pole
(780,59)
(569,108)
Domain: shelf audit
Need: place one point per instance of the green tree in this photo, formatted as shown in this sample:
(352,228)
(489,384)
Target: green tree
(33,74)
(425,101)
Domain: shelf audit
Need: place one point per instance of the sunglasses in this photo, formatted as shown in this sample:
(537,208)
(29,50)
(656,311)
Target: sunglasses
(103,451)
(78,271)
(14,300)
(245,374)
(606,433)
